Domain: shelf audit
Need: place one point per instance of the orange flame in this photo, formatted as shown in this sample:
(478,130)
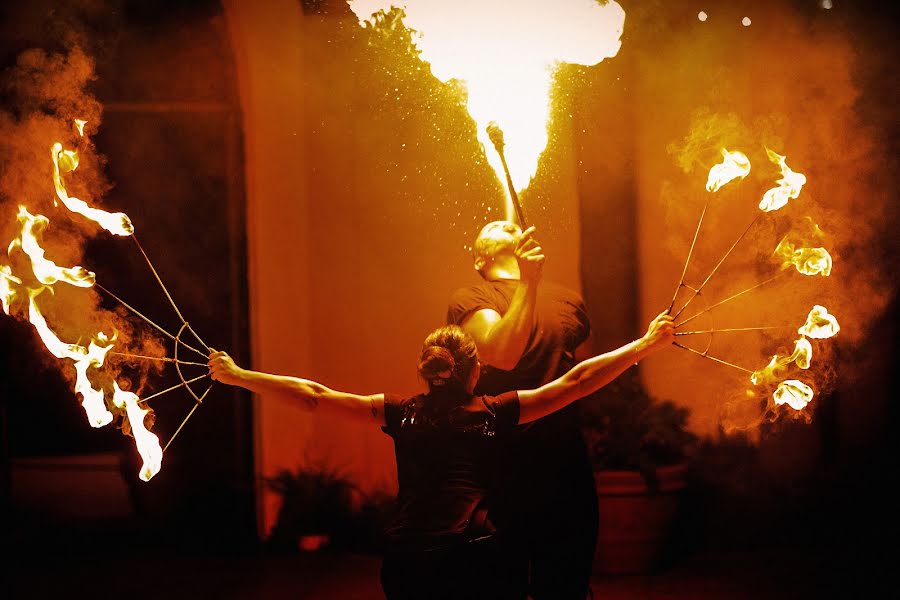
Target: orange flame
(79,125)
(92,400)
(789,185)
(506,56)
(115,223)
(147,443)
(794,393)
(808,261)
(802,356)
(7,293)
(46,270)
(819,324)
(734,165)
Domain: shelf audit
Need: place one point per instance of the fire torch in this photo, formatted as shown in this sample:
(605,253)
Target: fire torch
(496,134)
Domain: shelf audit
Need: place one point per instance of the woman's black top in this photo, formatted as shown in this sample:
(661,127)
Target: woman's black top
(445,443)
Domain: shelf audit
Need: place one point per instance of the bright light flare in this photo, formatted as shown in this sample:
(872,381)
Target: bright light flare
(147,443)
(819,324)
(505,53)
(46,271)
(115,223)
(734,165)
(794,393)
(789,185)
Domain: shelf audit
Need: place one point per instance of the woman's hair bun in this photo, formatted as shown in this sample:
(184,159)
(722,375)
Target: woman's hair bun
(436,364)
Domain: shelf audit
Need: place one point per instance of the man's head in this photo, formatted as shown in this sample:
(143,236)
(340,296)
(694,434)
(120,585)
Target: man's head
(496,242)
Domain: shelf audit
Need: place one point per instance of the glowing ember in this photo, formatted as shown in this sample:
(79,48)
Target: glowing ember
(115,223)
(506,55)
(7,293)
(702,15)
(789,185)
(46,270)
(808,261)
(92,400)
(819,324)
(794,393)
(147,443)
(734,165)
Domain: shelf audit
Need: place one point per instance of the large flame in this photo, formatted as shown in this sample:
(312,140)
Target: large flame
(147,443)
(808,261)
(794,393)
(819,324)
(789,185)
(734,165)
(505,53)
(67,160)
(46,271)
(92,400)
(7,292)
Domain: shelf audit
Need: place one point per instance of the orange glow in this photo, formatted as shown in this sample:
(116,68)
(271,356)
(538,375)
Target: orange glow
(46,270)
(147,443)
(808,261)
(819,324)
(92,400)
(506,54)
(115,223)
(789,185)
(7,293)
(734,165)
(794,393)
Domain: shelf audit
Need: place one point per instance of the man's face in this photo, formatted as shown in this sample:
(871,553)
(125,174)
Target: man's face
(497,237)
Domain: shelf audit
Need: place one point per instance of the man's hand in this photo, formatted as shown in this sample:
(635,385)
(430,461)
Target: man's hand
(530,257)
(661,331)
(222,367)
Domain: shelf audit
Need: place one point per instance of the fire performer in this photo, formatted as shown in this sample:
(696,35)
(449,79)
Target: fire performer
(443,542)
(527,335)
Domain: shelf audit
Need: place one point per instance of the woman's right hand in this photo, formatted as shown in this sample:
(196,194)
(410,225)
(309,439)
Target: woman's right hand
(661,331)
(222,367)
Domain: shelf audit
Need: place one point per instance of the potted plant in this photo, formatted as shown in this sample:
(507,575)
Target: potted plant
(315,504)
(639,447)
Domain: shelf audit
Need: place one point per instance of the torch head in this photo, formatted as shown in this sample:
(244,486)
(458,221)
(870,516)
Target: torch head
(496,135)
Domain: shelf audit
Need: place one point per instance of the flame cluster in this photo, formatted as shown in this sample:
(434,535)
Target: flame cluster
(45,273)
(791,251)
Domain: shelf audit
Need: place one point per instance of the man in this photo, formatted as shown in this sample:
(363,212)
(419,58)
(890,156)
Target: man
(528,333)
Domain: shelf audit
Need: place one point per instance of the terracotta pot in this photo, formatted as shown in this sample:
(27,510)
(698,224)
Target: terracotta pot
(634,524)
(313,542)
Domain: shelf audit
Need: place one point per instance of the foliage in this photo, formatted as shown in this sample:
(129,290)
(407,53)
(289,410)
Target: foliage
(627,429)
(320,501)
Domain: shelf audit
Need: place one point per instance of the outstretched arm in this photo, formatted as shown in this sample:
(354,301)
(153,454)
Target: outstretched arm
(592,374)
(311,395)
(502,339)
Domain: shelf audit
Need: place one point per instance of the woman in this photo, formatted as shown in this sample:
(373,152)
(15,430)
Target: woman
(442,543)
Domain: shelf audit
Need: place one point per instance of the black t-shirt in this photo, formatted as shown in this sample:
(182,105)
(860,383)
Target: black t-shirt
(560,325)
(544,462)
(445,446)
